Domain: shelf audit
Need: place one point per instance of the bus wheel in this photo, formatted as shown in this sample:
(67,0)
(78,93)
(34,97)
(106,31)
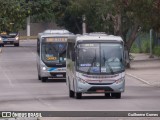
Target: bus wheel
(116,95)
(16,44)
(44,79)
(71,93)
(39,77)
(78,95)
(107,94)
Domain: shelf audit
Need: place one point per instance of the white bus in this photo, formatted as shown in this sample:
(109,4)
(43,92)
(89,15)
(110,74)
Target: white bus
(95,64)
(51,54)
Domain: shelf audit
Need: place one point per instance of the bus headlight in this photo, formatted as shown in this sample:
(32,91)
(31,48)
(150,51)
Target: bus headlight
(17,38)
(81,80)
(44,68)
(119,80)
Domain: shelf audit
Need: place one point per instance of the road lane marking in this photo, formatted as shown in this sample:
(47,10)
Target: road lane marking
(8,78)
(140,79)
(40,100)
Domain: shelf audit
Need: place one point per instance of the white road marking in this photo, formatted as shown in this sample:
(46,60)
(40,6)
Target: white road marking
(8,78)
(140,79)
(42,101)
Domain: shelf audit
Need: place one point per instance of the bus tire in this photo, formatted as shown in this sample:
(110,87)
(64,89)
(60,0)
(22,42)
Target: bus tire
(116,95)
(107,94)
(44,79)
(16,44)
(39,77)
(78,95)
(71,93)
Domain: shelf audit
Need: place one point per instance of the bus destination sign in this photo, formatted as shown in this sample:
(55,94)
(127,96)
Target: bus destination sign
(56,39)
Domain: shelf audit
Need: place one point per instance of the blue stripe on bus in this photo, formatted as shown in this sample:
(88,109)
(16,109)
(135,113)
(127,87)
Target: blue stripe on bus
(52,69)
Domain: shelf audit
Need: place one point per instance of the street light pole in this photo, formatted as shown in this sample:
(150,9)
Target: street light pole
(151,55)
(84,24)
(28,26)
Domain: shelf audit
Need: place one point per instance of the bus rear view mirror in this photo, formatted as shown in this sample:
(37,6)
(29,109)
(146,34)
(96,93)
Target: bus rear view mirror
(73,56)
(127,60)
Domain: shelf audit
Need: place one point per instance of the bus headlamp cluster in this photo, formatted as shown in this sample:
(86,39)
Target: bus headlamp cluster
(17,38)
(119,80)
(44,68)
(81,80)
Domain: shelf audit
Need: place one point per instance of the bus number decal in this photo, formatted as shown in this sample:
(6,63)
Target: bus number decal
(51,58)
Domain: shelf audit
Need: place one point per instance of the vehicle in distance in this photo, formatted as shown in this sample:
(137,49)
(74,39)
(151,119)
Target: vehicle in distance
(9,38)
(51,54)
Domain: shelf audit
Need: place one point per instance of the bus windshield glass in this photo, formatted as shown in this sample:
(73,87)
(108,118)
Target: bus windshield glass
(100,58)
(54,51)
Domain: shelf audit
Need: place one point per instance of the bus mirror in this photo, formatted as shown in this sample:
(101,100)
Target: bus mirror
(73,56)
(126,57)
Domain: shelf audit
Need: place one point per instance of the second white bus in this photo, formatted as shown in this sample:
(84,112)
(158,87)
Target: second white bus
(51,54)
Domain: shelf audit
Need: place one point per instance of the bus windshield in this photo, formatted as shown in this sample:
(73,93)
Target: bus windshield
(100,58)
(54,52)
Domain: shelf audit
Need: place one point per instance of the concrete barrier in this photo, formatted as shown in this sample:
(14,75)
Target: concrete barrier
(27,37)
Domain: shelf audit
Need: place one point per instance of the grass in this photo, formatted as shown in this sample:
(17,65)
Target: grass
(156,51)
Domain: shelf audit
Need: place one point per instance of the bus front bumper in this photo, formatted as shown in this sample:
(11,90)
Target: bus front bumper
(111,88)
(56,75)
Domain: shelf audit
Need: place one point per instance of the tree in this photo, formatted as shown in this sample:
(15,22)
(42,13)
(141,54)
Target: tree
(12,15)
(14,12)
(42,10)
(125,18)
(66,15)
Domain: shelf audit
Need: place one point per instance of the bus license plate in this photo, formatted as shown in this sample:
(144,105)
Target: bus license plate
(59,75)
(100,91)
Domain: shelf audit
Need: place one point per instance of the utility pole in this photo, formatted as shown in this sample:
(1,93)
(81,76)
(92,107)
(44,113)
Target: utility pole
(84,24)
(151,34)
(28,22)
(28,26)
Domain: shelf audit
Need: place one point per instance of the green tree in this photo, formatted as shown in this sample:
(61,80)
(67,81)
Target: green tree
(125,18)
(119,17)
(14,13)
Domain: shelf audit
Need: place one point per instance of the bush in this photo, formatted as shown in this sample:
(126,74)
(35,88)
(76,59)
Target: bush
(156,51)
(144,47)
(134,48)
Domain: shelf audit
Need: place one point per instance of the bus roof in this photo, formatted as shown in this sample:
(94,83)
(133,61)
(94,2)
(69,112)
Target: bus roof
(52,31)
(55,33)
(98,36)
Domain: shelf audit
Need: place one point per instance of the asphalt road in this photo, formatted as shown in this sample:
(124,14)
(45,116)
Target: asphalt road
(20,89)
